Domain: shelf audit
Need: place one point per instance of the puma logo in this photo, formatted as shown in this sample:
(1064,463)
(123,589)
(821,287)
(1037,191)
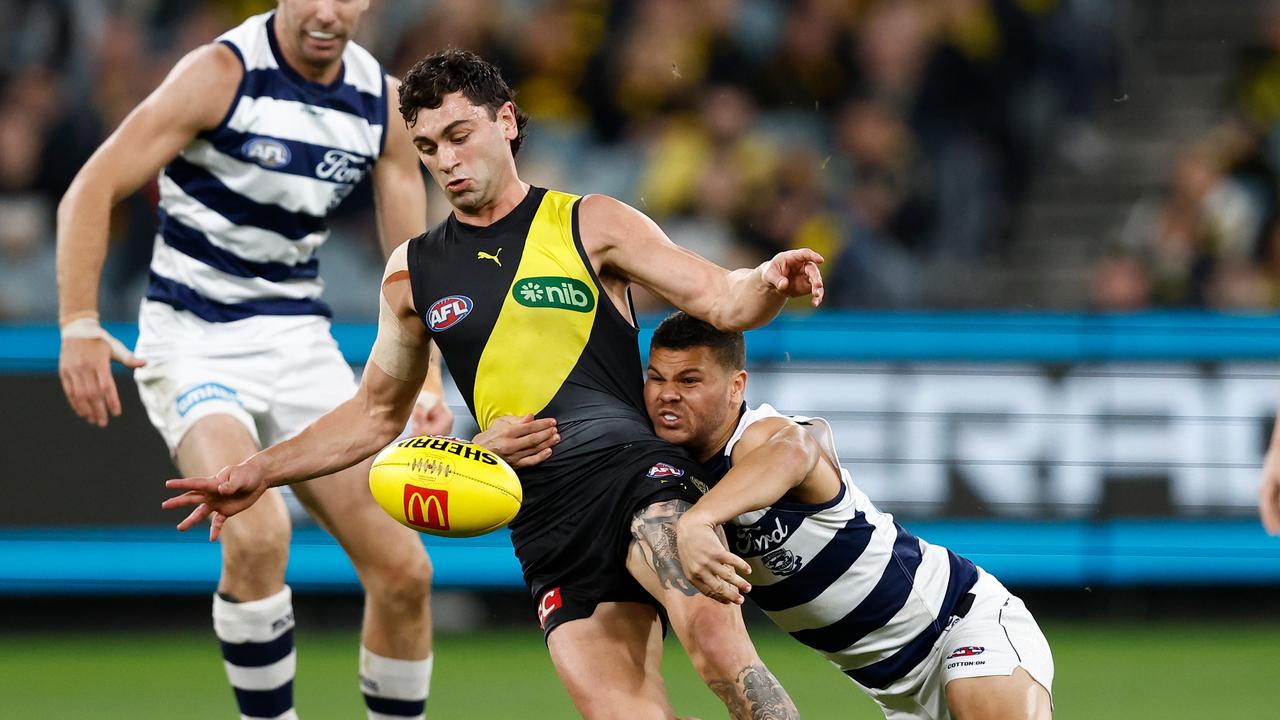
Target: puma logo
(482,255)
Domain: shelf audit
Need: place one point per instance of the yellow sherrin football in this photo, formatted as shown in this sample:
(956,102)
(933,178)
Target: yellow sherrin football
(445,486)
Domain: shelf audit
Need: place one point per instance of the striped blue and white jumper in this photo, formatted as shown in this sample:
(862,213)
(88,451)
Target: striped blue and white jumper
(843,577)
(243,206)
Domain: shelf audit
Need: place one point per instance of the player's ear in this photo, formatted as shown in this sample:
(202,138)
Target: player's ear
(507,118)
(738,385)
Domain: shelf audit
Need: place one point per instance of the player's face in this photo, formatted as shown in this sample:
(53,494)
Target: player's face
(692,398)
(318,30)
(467,151)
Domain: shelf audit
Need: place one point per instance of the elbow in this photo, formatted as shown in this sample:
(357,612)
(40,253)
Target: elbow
(383,424)
(385,428)
(73,201)
(795,450)
(377,435)
(795,453)
(66,205)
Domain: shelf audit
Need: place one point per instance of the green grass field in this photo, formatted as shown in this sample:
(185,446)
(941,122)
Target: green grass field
(1126,672)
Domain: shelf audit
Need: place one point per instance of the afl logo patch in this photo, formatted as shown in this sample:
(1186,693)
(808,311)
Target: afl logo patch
(967,651)
(663,470)
(447,312)
(267,152)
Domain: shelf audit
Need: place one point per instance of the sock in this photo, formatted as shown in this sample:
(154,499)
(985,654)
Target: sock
(394,689)
(257,651)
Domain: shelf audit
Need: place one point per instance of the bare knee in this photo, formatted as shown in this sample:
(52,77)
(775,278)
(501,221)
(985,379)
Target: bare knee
(402,588)
(254,557)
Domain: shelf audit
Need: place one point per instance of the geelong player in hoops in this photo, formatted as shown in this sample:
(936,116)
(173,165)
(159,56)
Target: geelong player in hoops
(545,328)
(258,136)
(926,633)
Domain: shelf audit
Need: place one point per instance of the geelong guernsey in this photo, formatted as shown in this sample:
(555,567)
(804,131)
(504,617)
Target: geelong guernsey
(524,326)
(843,577)
(243,206)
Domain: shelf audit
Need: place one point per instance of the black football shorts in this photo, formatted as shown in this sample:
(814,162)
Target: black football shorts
(581,561)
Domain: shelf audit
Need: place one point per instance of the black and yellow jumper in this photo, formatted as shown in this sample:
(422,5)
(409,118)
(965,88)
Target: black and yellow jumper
(525,327)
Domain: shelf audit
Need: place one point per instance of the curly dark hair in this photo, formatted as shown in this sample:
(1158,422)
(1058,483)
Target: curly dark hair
(449,71)
(682,331)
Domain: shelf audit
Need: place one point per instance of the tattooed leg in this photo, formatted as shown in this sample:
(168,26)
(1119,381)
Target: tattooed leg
(755,694)
(654,529)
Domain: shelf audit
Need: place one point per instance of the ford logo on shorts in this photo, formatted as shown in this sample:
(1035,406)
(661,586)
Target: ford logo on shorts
(267,152)
(448,311)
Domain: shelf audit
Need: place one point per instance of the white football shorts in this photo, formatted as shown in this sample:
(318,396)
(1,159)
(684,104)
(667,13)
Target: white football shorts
(996,636)
(275,374)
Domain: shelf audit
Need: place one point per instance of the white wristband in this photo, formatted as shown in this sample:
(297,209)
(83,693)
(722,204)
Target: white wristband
(88,328)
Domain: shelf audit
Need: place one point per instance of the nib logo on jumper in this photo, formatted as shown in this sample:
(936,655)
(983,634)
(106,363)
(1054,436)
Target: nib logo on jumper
(554,292)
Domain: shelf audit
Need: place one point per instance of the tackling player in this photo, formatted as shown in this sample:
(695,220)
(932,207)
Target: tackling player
(925,632)
(526,292)
(259,135)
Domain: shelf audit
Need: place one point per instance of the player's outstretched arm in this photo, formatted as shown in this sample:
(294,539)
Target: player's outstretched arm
(1269,489)
(195,96)
(773,457)
(340,438)
(628,243)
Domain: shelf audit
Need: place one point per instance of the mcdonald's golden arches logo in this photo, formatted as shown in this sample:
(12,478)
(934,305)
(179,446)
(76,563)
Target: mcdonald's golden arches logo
(426,508)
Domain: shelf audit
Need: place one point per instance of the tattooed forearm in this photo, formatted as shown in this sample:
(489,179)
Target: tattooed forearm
(755,695)
(765,695)
(654,528)
(728,693)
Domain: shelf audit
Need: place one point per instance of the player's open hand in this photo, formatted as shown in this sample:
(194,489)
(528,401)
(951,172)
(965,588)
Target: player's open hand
(716,572)
(520,440)
(794,273)
(233,489)
(1269,492)
(431,416)
(84,367)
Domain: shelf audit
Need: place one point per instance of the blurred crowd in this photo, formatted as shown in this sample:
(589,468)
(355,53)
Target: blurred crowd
(1211,237)
(897,137)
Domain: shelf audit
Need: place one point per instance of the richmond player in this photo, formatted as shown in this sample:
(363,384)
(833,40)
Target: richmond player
(545,328)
